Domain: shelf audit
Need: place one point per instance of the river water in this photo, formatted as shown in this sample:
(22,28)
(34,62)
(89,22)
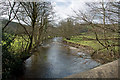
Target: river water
(53,60)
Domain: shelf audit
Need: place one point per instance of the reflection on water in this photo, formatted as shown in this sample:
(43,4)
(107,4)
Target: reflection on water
(55,62)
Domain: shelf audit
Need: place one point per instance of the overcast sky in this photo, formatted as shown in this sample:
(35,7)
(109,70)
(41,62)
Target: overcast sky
(63,8)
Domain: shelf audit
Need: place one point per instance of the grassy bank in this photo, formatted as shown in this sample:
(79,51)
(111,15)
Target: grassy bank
(101,55)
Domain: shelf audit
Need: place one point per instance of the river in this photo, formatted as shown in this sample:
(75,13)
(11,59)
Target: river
(53,60)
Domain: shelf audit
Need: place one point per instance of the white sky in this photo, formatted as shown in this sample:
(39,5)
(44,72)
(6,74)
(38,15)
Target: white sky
(63,8)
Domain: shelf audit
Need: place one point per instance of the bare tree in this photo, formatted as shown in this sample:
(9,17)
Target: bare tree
(103,18)
(36,15)
(11,9)
(66,28)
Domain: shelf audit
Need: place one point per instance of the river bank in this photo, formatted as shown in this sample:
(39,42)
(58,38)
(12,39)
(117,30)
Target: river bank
(99,57)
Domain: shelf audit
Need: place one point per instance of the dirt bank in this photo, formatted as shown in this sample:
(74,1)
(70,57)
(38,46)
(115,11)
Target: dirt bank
(82,48)
(102,58)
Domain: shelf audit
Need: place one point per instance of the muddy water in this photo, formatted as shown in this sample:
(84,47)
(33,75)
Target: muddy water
(53,60)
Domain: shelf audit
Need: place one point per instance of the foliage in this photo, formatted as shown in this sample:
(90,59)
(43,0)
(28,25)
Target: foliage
(11,61)
(33,20)
(19,44)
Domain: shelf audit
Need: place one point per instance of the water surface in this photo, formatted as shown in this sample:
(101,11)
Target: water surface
(55,61)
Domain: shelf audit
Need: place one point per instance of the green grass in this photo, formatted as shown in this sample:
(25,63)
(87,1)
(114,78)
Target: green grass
(94,44)
(79,39)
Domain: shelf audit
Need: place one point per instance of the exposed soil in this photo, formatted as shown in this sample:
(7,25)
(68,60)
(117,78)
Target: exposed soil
(100,57)
(85,38)
(82,48)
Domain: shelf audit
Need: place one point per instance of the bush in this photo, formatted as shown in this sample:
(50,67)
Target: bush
(12,64)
